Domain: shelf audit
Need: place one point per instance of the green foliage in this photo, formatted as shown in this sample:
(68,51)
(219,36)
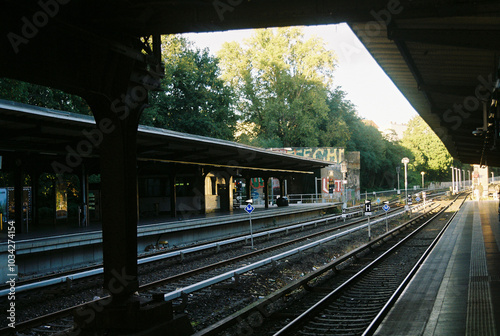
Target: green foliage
(41,96)
(379,156)
(194,99)
(335,128)
(427,152)
(281,82)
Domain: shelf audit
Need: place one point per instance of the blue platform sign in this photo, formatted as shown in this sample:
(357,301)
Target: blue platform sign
(249,208)
(386,207)
(417,199)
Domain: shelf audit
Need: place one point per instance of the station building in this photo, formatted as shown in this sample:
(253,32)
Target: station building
(337,182)
(50,169)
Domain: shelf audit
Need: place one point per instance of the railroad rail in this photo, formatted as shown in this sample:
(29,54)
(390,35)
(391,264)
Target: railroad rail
(170,296)
(181,253)
(244,321)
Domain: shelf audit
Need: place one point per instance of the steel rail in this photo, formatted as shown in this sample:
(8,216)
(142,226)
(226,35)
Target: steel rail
(65,312)
(261,304)
(179,253)
(370,330)
(324,301)
(230,274)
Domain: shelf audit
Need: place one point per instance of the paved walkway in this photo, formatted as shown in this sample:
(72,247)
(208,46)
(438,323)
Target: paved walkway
(457,289)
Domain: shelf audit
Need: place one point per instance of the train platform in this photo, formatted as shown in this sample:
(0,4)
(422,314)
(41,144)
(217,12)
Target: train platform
(60,249)
(457,289)
(184,220)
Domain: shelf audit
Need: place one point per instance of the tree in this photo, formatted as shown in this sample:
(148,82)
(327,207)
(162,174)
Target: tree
(427,151)
(335,128)
(193,98)
(281,81)
(41,96)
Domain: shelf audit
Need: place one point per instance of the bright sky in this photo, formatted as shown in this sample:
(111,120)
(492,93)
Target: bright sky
(366,84)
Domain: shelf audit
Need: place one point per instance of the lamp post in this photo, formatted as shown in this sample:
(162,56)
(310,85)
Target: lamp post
(423,173)
(343,170)
(452,180)
(397,171)
(405,161)
(468,173)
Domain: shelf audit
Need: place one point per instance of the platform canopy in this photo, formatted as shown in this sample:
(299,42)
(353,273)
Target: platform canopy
(66,137)
(442,55)
(447,66)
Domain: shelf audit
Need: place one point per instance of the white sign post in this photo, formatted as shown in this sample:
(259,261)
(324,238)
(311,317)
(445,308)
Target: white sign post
(386,208)
(368,212)
(249,208)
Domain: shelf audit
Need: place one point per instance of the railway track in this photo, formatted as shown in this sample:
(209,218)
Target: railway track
(42,325)
(342,300)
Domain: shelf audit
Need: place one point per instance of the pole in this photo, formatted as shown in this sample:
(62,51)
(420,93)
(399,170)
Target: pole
(406,183)
(369,229)
(452,180)
(251,230)
(386,225)
(405,161)
(27,218)
(397,171)
(343,191)
(316,186)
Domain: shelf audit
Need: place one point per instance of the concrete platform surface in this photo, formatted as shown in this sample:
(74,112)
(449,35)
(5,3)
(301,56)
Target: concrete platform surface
(457,289)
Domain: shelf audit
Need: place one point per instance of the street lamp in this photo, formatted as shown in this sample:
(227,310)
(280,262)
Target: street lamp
(405,160)
(397,171)
(343,170)
(423,173)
